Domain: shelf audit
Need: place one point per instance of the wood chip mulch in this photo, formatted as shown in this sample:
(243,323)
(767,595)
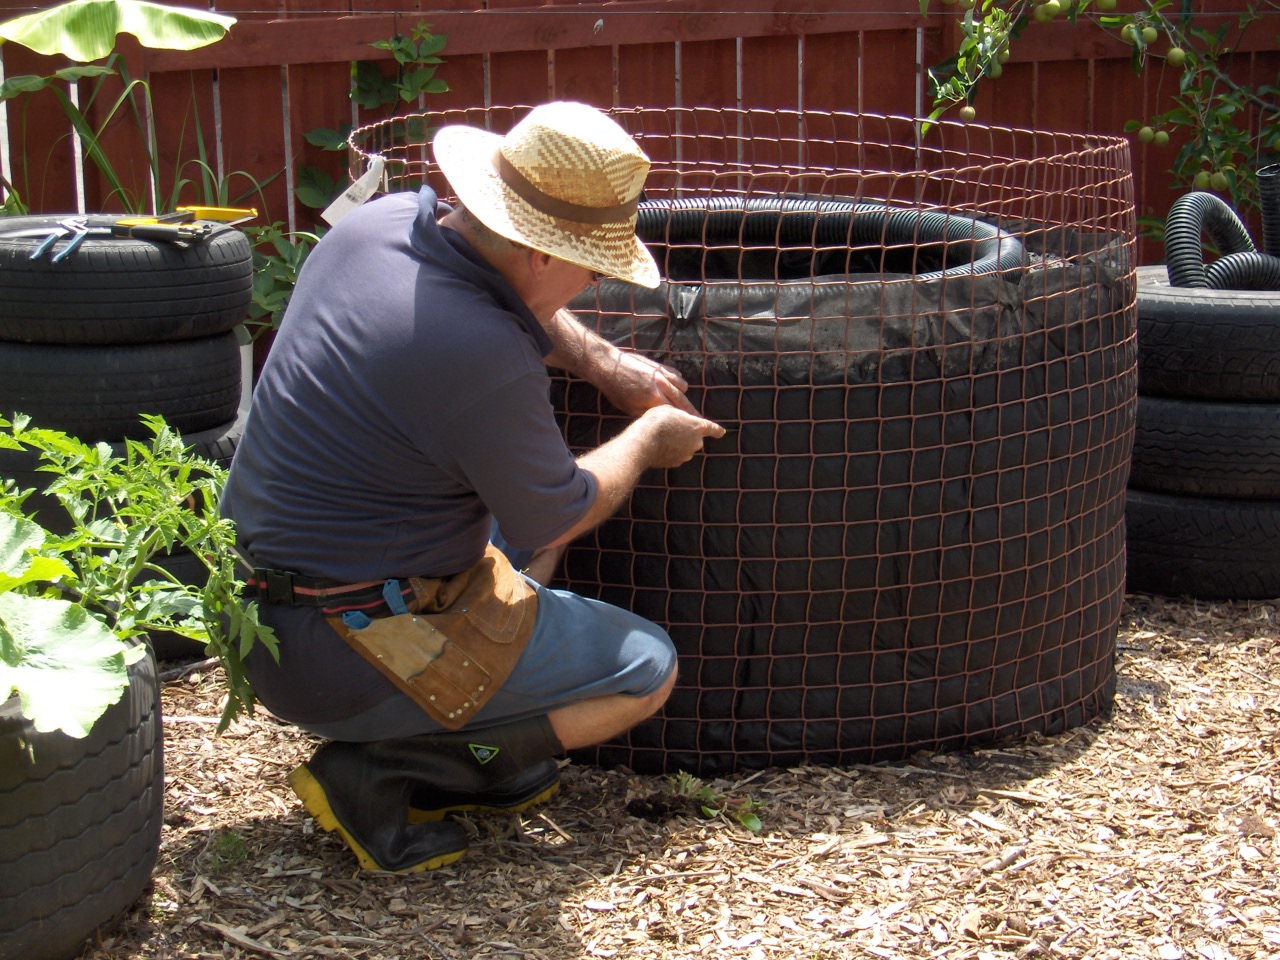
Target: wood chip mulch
(1151,833)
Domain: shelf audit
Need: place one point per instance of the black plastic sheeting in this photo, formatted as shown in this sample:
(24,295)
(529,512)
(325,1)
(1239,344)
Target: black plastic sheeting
(912,536)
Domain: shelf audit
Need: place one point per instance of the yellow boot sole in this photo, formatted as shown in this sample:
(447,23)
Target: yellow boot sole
(429,816)
(316,802)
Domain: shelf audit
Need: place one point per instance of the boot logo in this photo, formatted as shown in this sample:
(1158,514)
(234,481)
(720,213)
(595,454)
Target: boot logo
(482,752)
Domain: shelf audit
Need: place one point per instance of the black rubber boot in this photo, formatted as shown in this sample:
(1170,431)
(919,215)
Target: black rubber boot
(506,767)
(347,787)
(534,785)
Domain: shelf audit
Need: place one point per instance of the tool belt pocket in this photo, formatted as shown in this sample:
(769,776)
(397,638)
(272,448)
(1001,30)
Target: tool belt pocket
(459,641)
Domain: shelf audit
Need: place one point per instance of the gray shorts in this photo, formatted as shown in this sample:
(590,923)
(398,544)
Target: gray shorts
(580,648)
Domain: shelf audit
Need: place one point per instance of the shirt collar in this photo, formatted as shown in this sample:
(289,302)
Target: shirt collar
(450,250)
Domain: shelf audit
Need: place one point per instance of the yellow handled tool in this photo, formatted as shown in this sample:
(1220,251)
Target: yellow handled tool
(228,215)
(180,226)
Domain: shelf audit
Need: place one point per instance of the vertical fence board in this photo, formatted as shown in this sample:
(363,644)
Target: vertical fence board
(1062,95)
(253,124)
(518,78)
(116,108)
(709,73)
(647,75)
(465,77)
(1009,101)
(40,148)
(771,73)
(585,74)
(830,79)
(186,133)
(319,97)
(888,69)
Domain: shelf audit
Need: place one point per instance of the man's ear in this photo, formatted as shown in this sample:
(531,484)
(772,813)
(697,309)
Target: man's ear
(538,263)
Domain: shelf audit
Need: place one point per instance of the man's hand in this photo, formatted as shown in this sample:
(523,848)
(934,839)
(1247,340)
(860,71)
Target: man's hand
(633,383)
(673,436)
(661,437)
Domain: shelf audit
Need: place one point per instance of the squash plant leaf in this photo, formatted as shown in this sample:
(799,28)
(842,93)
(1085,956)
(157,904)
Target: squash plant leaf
(70,667)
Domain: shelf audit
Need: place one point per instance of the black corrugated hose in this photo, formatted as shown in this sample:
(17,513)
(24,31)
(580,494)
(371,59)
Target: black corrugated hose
(792,220)
(1269,197)
(1241,266)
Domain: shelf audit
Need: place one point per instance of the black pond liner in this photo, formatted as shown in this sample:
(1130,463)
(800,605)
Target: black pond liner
(912,536)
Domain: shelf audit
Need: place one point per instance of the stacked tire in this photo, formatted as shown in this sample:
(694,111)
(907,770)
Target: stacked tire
(89,341)
(1203,506)
(117,328)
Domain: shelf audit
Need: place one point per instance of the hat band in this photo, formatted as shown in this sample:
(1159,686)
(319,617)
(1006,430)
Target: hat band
(555,207)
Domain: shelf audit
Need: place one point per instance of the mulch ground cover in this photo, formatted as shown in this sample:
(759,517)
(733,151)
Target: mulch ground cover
(1148,833)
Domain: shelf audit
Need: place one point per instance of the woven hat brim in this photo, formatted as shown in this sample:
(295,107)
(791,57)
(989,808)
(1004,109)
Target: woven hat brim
(465,156)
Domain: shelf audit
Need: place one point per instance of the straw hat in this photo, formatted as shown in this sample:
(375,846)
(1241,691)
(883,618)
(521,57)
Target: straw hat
(564,181)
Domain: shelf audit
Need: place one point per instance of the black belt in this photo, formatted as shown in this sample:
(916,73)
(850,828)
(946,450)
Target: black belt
(285,586)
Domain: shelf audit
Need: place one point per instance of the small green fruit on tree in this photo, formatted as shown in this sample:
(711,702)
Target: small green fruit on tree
(1047,11)
(967,113)
(1218,119)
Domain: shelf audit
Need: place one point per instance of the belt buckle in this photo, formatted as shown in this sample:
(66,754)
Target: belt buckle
(279,584)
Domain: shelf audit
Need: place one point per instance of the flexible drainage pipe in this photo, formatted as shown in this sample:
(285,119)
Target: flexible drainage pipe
(794,221)
(1191,215)
(1269,199)
(1244,271)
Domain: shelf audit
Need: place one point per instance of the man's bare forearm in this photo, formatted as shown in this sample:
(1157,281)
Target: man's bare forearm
(576,349)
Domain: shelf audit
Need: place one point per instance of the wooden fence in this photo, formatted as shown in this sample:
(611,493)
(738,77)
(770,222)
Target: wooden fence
(243,106)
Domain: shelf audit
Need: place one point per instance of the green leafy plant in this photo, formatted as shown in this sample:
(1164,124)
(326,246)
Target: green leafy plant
(278,256)
(1224,127)
(86,30)
(417,57)
(70,604)
(712,804)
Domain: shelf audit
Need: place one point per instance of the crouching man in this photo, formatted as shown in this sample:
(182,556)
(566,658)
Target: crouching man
(402,490)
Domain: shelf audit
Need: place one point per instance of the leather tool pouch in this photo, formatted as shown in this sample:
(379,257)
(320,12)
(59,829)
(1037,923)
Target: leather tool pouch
(459,641)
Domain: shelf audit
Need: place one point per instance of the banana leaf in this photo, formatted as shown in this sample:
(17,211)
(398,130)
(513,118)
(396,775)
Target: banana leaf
(86,30)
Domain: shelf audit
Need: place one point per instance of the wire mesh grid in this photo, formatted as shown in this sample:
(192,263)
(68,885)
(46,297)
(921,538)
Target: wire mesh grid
(922,342)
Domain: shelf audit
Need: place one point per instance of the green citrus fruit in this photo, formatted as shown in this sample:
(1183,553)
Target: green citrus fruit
(1106,4)
(1129,33)
(1218,180)
(1201,181)
(1003,55)
(1146,134)
(994,70)
(967,113)
(1176,57)
(1150,35)
(1161,138)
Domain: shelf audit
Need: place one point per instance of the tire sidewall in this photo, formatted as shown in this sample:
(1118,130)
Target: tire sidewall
(80,821)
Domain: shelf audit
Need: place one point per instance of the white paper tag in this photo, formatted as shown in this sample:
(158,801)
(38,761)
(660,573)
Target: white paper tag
(356,194)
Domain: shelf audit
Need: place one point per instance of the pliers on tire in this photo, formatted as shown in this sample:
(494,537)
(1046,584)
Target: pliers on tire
(77,228)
